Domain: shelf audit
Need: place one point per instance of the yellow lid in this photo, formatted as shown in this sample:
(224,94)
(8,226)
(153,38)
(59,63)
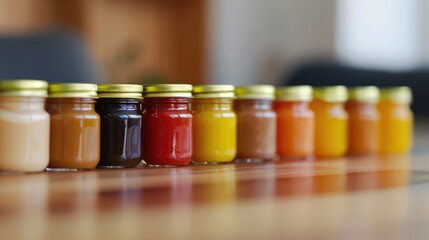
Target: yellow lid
(73,90)
(24,88)
(214,91)
(168,90)
(397,94)
(331,94)
(367,94)
(120,91)
(295,93)
(255,92)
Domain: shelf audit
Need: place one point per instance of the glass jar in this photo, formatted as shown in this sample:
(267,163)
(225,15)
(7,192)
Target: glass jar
(24,126)
(215,124)
(75,126)
(121,125)
(167,125)
(396,121)
(256,123)
(330,125)
(295,122)
(363,123)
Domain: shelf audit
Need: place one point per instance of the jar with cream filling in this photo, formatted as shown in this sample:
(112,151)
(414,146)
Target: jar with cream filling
(75,126)
(330,128)
(396,121)
(24,126)
(256,123)
(295,122)
(364,120)
(215,124)
(121,125)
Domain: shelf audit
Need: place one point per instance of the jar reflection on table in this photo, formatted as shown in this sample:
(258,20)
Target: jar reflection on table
(24,126)
(121,125)
(167,125)
(256,123)
(75,126)
(215,124)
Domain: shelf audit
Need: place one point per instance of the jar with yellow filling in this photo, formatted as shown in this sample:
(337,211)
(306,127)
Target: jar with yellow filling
(364,120)
(214,125)
(330,125)
(396,121)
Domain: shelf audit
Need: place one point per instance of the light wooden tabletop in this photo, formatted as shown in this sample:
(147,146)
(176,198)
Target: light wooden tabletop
(353,198)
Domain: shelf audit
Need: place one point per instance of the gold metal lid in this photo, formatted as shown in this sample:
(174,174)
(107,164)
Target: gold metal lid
(397,94)
(331,94)
(120,91)
(214,91)
(295,93)
(168,90)
(24,88)
(367,94)
(255,92)
(73,90)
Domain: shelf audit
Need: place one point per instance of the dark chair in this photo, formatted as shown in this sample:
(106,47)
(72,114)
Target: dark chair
(55,56)
(325,74)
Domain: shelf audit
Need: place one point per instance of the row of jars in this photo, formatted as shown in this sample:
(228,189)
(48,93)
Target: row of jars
(83,126)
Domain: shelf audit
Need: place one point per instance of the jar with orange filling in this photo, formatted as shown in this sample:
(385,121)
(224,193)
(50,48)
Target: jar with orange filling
(396,121)
(330,128)
(75,126)
(363,121)
(295,122)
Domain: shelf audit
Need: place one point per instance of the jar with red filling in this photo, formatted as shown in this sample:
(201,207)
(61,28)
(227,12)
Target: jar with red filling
(167,125)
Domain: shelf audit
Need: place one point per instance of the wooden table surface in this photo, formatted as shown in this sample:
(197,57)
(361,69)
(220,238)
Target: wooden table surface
(353,198)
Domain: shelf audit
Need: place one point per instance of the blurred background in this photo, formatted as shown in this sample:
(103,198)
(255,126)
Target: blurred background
(216,41)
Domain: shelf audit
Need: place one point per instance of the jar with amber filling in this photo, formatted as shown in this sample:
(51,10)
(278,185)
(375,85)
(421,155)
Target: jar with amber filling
(330,122)
(364,120)
(121,125)
(295,122)
(24,126)
(256,123)
(75,126)
(396,121)
(215,124)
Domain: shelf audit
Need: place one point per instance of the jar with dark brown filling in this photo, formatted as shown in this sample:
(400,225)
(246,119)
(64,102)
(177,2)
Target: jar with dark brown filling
(119,106)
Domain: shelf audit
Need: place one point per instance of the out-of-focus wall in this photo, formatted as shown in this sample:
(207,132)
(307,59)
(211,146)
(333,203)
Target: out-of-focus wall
(256,41)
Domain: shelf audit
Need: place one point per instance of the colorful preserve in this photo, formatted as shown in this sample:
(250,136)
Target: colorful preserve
(119,107)
(295,122)
(364,120)
(215,124)
(330,128)
(167,124)
(396,121)
(75,126)
(256,122)
(24,126)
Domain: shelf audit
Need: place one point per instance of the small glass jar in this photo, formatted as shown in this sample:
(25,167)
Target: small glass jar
(75,126)
(167,125)
(215,124)
(121,125)
(256,123)
(295,122)
(396,121)
(364,120)
(330,125)
(24,126)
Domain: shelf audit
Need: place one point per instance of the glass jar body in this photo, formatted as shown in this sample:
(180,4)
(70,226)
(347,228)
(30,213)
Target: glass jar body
(215,130)
(24,138)
(75,133)
(167,131)
(121,129)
